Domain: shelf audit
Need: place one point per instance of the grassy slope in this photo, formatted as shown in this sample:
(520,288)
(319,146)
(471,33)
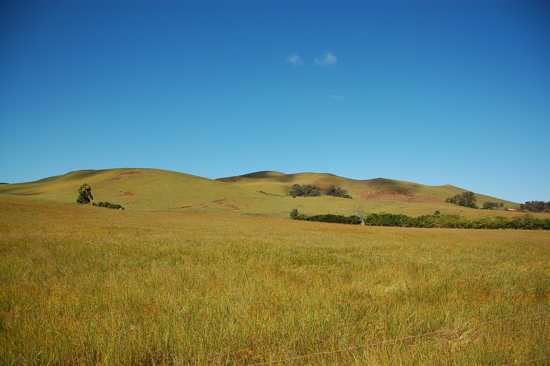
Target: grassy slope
(141,189)
(89,286)
(261,193)
(374,195)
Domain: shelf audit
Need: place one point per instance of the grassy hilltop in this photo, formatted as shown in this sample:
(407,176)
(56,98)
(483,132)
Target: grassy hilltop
(260,193)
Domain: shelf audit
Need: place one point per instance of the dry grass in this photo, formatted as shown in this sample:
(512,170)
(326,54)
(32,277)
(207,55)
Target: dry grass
(92,286)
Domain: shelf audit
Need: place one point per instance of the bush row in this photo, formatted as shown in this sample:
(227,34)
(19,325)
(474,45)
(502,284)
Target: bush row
(114,206)
(337,219)
(527,222)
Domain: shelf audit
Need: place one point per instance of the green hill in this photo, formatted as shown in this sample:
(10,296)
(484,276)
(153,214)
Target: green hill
(138,189)
(370,195)
(260,193)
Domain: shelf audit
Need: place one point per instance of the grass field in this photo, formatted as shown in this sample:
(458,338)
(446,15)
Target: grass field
(82,285)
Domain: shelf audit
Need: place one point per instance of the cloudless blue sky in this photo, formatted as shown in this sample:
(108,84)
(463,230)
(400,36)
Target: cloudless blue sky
(431,92)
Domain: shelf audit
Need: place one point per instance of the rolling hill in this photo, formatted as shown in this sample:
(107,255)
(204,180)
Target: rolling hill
(261,193)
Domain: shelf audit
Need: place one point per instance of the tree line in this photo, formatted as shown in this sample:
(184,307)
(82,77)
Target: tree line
(309,190)
(469,199)
(114,206)
(336,219)
(526,222)
(535,206)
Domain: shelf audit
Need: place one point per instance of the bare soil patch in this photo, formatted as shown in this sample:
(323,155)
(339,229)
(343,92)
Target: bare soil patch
(398,196)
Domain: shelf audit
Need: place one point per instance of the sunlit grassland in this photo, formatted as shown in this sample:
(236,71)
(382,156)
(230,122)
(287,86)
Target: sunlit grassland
(92,286)
(257,194)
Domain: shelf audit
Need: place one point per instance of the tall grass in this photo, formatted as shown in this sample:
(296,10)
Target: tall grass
(87,286)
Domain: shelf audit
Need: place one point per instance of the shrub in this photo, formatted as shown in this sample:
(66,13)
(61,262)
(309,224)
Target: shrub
(337,219)
(113,206)
(337,192)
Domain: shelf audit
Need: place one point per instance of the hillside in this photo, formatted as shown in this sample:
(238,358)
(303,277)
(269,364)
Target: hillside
(136,189)
(259,194)
(379,193)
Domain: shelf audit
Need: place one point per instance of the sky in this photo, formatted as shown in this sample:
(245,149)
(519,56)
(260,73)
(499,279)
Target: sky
(431,92)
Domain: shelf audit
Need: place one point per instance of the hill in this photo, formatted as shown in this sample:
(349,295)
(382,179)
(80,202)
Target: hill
(378,194)
(259,194)
(136,189)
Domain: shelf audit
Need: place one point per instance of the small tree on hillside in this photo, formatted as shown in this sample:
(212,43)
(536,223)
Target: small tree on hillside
(84,194)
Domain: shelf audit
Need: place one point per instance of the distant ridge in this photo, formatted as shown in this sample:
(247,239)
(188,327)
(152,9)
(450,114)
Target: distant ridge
(262,193)
(370,189)
(263,174)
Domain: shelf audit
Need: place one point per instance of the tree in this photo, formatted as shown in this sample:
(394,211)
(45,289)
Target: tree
(294,213)
(307,190)
(466,199)
(84,194)
(337,192)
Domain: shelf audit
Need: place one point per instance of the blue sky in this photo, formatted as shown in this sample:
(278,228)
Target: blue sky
(432,92)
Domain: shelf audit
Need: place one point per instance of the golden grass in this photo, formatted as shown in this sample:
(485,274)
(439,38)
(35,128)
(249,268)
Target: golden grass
(92,286)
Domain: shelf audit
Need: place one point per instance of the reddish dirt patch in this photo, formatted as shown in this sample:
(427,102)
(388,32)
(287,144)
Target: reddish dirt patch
(119,177)
(398,196)
(128,194)
(224,202)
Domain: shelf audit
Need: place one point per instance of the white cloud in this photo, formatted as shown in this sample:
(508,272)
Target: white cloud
(338,97)
(327,60)
(294,59)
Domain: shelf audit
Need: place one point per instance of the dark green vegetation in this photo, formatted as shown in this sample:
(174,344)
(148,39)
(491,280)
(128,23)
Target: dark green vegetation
(336,219)
(114,206)
(84,194)
(337,192)
(310,190)
(466,199)
(307,190)
(493,206)
(526,222)
(535,206)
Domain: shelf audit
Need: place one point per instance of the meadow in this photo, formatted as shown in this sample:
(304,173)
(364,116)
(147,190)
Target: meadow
(83,285)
